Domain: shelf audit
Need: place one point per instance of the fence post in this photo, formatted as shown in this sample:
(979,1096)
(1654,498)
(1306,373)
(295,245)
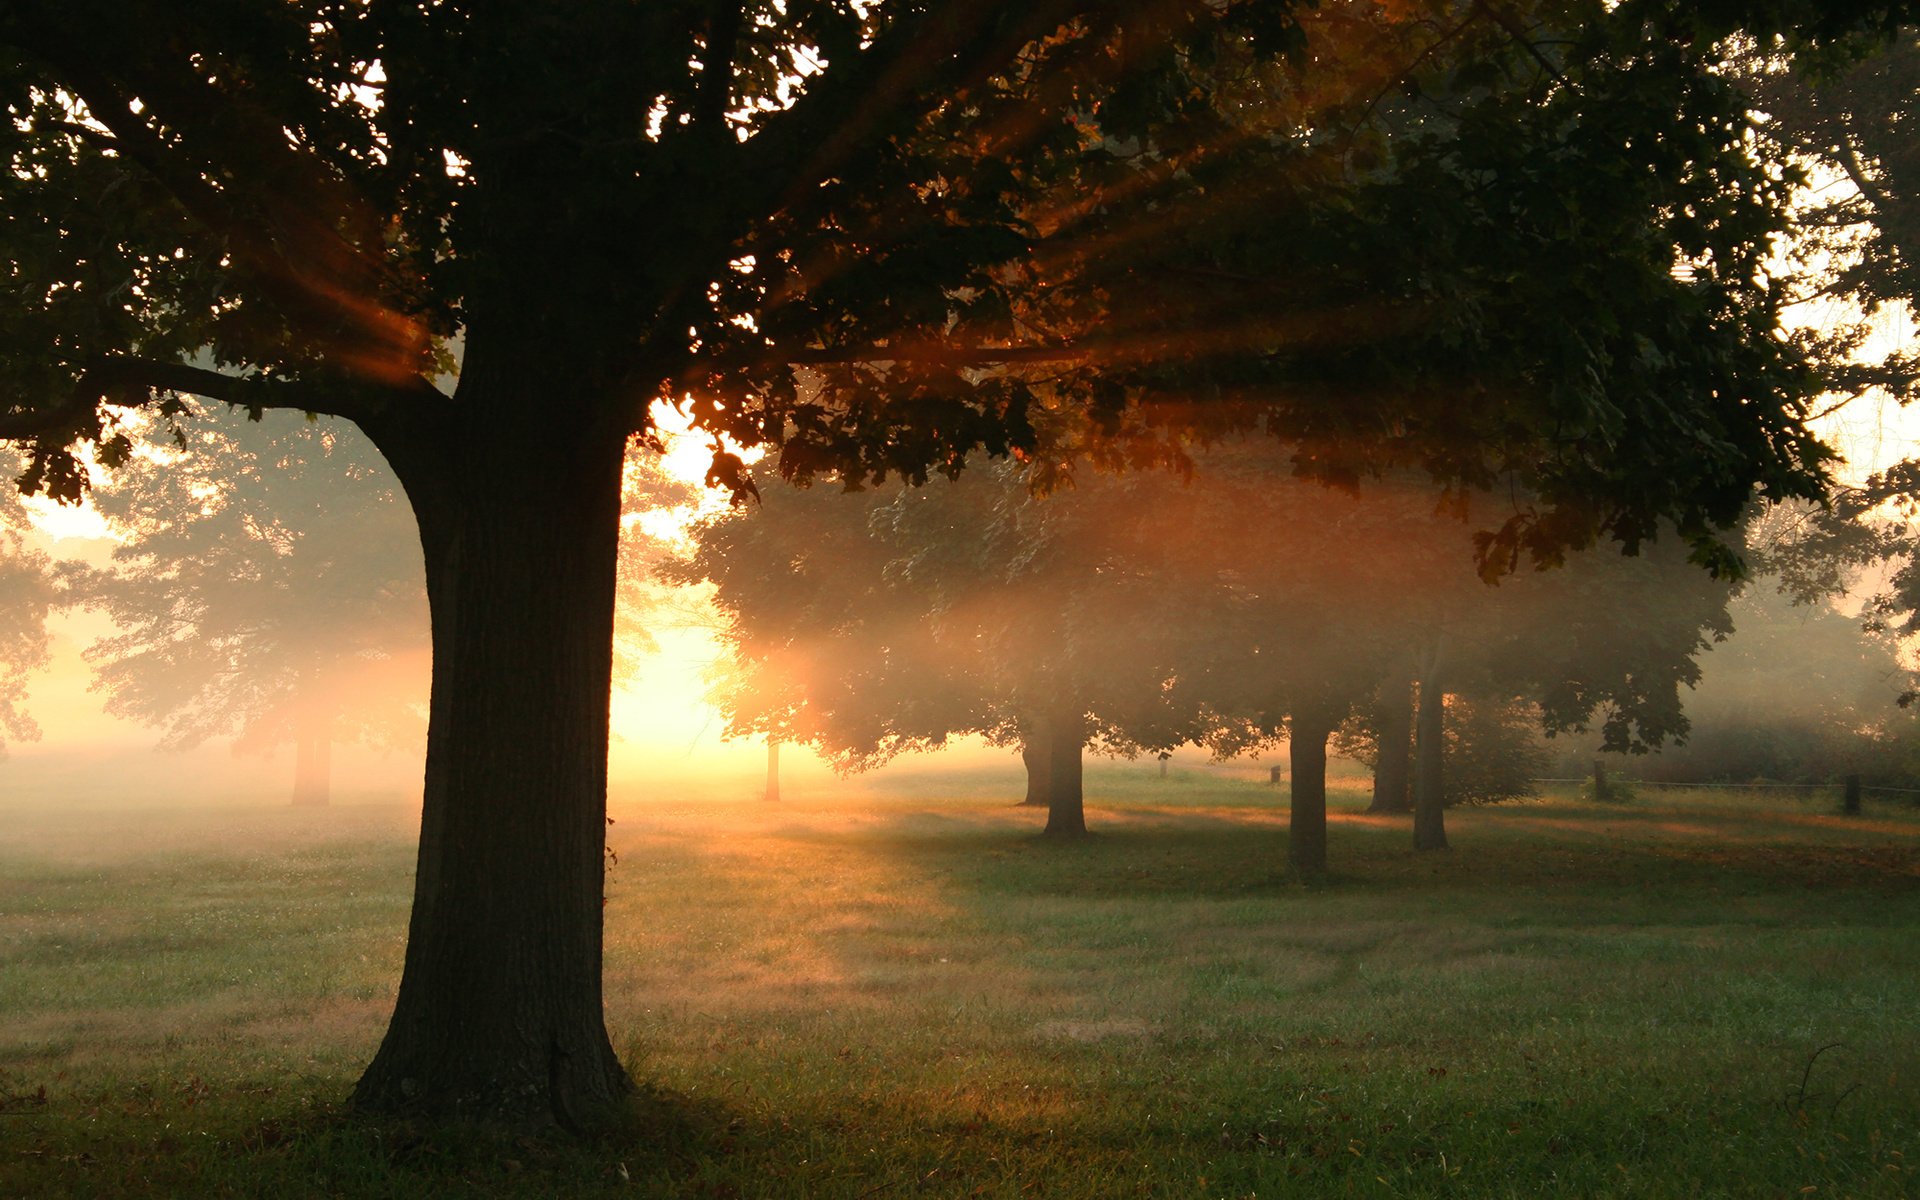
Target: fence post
(1273,775)
(1850,805)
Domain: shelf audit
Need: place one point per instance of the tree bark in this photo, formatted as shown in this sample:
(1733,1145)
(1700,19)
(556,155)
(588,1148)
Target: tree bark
(1036,755)
(1393,760)
(1066,811)
(499,1014)
(1307,808)
(312,764)
(1429,745)
(772,795)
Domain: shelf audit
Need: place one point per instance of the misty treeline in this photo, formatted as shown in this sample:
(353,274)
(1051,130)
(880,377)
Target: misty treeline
(1124,616)
(1232,609)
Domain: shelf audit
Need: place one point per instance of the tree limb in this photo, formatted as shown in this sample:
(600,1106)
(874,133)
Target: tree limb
(716,69)
(1518,33)
(1849,159)
(116,377)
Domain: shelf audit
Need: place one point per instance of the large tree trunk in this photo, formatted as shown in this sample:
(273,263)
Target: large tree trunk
(1393,759)
(1036,754)
(1066,812)
(499,1014)
(772,795)
(312,762)
(1307,814)
(1429,799)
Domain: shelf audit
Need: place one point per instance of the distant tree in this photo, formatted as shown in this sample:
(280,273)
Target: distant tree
(894,619)
(1305,593)
(266,587)
(28,596)
(1605,637)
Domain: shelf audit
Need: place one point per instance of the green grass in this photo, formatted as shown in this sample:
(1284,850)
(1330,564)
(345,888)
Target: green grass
(894,988)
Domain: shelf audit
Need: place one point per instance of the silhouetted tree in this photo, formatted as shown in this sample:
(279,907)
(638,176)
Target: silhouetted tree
(1325,594)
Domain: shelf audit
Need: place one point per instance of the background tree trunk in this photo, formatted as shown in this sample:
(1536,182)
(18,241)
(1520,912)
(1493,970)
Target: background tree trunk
(499,1015)
(1429,747)
(1036,754)
(312,763)
(1066,810)
(1393,762)
(772,795)
(1307,809)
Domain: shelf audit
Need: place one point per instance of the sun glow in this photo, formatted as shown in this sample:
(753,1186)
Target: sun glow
(60,522)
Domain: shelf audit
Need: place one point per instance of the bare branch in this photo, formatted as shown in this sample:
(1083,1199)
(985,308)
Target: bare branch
(1518,33)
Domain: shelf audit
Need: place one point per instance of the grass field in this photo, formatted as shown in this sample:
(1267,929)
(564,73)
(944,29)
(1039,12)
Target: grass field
(895,989)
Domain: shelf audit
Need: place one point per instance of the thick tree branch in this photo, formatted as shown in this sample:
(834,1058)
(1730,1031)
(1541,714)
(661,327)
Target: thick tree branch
(716,69)
(1849,159)
(120,378)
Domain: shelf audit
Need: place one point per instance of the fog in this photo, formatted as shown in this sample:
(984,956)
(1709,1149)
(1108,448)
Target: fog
(1190,615)
(190,542)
